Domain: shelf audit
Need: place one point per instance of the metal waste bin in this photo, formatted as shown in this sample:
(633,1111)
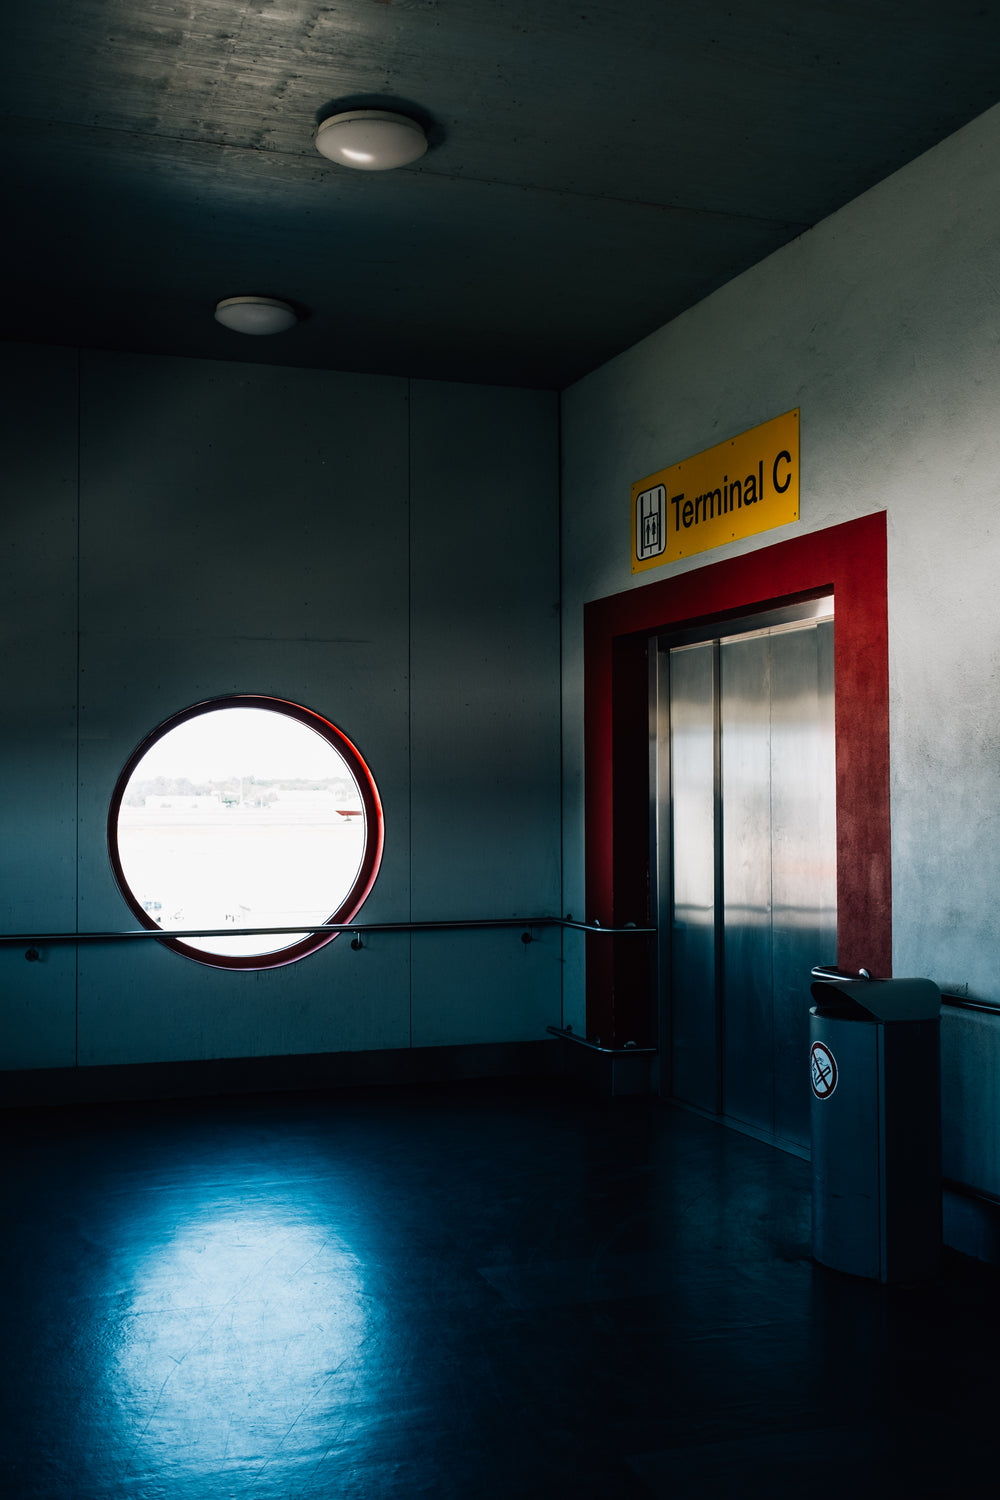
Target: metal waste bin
(875,1071)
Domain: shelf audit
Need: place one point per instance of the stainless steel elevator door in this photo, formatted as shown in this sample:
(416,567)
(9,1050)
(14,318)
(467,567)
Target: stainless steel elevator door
(694,914)
(752,869)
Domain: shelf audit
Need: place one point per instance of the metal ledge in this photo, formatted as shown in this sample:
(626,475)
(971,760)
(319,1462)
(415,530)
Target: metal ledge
(956,1002)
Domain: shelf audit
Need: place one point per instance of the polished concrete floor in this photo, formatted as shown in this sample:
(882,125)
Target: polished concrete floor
(476,1291)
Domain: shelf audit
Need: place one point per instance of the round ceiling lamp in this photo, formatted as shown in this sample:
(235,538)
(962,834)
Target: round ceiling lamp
(371,140)
(255,314)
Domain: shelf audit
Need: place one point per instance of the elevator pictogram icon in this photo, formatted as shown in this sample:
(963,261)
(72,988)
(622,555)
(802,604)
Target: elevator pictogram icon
(651,522)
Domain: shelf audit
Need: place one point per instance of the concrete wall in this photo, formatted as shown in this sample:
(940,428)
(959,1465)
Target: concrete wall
(384,552)
(883,326)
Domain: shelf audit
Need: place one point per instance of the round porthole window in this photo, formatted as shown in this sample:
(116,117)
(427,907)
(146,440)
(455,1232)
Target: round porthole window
(245,812)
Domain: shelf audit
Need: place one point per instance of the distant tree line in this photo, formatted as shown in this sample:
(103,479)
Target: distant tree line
(258,790)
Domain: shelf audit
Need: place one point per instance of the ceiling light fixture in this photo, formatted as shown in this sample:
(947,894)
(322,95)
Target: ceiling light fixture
(255,314)
(372,140)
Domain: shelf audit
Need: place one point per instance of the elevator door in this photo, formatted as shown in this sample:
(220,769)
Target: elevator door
(747,867)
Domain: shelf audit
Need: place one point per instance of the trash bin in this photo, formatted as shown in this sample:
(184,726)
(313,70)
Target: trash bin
(875,1071)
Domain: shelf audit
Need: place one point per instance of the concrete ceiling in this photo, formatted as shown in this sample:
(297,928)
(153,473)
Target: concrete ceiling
(595,167)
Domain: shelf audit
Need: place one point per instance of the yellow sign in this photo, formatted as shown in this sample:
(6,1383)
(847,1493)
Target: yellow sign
(738,488)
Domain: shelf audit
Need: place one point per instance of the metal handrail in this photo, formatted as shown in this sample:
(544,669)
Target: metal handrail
(957,1002)
(39,939)
(629,1050)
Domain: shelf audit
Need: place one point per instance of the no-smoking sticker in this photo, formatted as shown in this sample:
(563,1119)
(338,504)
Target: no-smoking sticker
(823,1070)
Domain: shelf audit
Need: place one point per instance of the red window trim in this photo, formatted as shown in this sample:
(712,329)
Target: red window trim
(848,561)
(370,860)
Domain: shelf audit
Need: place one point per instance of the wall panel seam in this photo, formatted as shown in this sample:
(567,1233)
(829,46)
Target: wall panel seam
(562,742)
(76,715)
(409,694)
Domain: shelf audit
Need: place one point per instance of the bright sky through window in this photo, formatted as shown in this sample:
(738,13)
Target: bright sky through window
(238,817)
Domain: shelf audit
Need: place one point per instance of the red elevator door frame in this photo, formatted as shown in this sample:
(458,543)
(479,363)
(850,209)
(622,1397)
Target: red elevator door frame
(848,561)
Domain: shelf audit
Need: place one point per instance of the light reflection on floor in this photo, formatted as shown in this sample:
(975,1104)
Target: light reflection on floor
(468,1292)
(237,1331)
